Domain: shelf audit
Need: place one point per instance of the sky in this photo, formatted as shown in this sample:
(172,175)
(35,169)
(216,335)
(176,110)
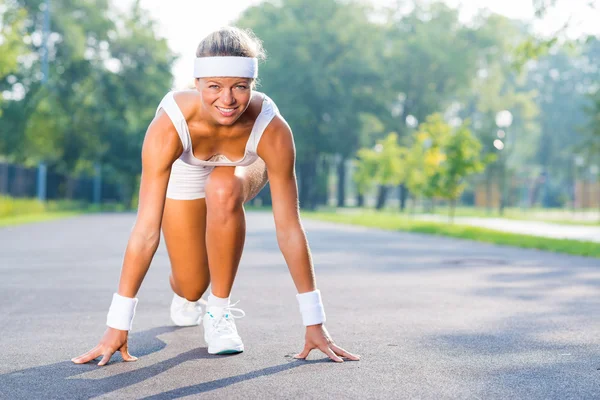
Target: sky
(185,22)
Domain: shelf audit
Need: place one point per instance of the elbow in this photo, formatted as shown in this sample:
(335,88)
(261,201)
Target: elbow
(289,233)
(143,241)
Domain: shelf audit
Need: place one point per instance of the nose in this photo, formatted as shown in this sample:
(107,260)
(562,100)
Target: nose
(227,98)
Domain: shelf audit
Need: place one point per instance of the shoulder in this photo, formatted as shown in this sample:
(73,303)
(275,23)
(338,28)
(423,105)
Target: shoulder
(188,101)
(277,141)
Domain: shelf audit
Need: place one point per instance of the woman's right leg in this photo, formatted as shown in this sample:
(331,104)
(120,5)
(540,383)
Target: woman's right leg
(184,230)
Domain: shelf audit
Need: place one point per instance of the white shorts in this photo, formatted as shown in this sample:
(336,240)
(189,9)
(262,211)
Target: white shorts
(187,182)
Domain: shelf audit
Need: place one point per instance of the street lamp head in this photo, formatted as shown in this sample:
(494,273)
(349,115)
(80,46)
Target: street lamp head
(504,119)
(411,121)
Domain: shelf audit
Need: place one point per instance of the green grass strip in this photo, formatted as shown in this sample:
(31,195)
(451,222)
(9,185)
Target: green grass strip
(398,222)
(32,218)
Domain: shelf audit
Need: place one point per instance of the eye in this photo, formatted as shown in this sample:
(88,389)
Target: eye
(213,86)
(242,87)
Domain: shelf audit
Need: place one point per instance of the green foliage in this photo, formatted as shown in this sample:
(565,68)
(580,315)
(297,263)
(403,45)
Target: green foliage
(429,60)
(342,78)
(321,69)
(437,162)
(98,100)
(382,165)
(10,207)
(462,159)
(426,155)
(12,27)
(366,169)
(591,140)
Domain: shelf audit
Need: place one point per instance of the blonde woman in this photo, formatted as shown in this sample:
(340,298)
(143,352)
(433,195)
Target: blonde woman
(206,153)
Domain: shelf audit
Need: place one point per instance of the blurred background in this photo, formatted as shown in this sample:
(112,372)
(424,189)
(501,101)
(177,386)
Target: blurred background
(427,108)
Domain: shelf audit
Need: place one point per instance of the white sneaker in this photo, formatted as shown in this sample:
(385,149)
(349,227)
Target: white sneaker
(184,312)
(220,332)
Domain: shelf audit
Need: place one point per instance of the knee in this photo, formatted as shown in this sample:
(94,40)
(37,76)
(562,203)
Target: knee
(188,291)
(224,194)
(191,294)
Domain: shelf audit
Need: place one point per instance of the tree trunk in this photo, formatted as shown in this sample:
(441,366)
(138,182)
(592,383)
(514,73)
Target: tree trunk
(307,185)
(360,200)
(488,191)
(341,186)
(403,196)
(381,197)
(502,187)
(452,210)
(71,183)
(302,184)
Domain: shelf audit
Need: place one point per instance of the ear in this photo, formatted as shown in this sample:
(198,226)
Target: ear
(198,84)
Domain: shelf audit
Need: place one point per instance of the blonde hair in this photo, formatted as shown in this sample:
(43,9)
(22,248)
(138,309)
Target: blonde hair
(231,41)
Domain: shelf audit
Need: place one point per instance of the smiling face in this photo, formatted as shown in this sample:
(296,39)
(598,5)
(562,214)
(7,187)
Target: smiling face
(225,99)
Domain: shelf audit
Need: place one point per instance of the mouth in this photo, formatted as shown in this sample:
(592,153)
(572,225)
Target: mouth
(227,112)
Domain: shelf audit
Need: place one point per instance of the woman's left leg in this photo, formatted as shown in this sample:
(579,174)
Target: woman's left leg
(227,189)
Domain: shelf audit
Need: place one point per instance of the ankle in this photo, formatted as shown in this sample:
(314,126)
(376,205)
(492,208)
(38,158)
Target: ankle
(215,301)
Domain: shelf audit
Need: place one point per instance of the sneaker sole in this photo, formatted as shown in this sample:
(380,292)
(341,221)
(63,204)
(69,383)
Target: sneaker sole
(229,352)
(234,350)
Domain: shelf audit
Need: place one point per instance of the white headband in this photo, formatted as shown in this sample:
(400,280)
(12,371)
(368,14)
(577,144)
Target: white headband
(243,67)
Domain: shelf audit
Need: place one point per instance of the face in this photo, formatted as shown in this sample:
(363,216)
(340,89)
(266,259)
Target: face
(225,99)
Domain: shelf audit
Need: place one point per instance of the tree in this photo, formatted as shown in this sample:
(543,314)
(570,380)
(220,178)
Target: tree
(425,155)
(462,157)
(497,86)
(383,165)
(429,62)
(98,101)
(321,71)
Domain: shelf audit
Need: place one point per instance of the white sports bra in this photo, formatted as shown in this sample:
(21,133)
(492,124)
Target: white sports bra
(267,113)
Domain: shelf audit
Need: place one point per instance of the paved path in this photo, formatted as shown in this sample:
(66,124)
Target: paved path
(535,228)
(434,318)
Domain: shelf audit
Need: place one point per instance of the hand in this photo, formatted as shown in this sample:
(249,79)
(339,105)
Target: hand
(113,340)
(317,337)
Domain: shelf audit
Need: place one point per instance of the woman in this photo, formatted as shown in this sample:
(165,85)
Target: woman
(193,190)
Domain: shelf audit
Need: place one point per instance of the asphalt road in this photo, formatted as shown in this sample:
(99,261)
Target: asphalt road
(433,318)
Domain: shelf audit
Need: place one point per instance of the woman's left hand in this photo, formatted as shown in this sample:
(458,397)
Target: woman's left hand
(317,337)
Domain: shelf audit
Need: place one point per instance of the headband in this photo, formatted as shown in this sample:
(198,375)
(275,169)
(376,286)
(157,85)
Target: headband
(243,67)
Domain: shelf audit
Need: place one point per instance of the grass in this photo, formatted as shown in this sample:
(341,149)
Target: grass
(31,218)
(17,211)
(399,222)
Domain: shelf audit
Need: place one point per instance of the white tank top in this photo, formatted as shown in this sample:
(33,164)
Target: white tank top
(267,113)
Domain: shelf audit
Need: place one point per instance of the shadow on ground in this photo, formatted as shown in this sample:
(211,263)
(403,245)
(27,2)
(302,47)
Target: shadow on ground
(60,380)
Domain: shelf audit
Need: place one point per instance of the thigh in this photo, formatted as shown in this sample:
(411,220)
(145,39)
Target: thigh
(254,178)
(184,228)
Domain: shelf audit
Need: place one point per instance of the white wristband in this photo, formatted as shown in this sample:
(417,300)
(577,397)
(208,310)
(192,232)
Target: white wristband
(311,307)
(121,312)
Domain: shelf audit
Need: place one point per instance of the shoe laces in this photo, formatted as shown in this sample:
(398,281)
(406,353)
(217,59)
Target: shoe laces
(226,323)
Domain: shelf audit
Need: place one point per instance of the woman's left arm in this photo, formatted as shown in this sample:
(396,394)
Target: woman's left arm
(277,150)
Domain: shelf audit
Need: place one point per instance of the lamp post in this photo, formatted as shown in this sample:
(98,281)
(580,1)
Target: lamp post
(579,161)
(594,169)
(504,120)
(42,170)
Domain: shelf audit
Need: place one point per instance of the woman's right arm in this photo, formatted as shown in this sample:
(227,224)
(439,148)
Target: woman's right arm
(161,148)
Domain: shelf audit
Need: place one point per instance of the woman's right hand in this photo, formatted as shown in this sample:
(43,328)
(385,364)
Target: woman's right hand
(113,340)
